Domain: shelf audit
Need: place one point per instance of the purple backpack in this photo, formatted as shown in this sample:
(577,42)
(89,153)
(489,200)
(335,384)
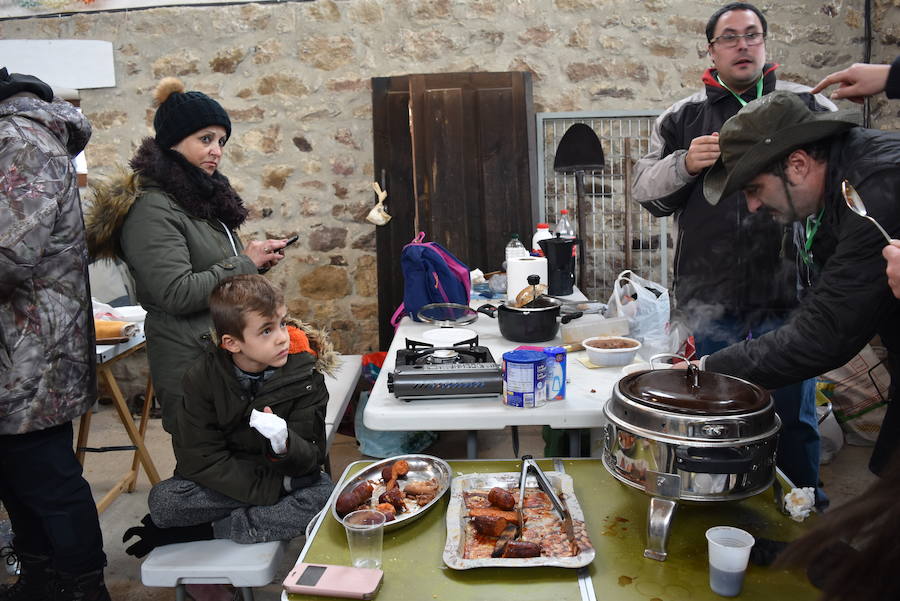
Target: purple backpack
(431,274)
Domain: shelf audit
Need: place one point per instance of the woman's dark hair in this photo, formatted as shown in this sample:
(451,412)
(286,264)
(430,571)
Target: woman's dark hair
(714,19)
(852,554)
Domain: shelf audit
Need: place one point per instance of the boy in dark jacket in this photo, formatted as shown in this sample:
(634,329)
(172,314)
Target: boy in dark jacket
(250,441)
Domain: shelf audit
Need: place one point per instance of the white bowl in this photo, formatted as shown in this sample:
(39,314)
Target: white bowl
(610,357)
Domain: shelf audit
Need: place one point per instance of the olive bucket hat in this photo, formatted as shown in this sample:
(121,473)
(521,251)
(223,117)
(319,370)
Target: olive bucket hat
(764,130)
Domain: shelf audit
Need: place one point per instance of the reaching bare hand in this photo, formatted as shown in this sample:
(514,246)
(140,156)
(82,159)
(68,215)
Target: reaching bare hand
(892,254)
(703,152)
(856,82)
(265,253)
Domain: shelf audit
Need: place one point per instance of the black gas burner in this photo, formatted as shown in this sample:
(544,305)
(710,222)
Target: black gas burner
(421,353)
(427,372)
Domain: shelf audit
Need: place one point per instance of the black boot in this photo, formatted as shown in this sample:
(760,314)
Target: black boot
(34,581)
(84,587)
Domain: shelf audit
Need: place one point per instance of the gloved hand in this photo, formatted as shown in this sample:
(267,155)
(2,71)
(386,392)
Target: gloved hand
(152,536)
(272,427)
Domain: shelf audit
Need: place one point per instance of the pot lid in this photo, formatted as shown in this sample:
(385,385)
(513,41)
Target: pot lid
(447,314)
(694,392)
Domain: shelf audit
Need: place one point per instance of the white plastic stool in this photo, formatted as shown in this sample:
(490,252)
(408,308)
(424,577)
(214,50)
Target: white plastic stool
(216,561)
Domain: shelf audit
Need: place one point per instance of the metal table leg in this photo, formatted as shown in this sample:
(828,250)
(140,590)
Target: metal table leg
(472,444)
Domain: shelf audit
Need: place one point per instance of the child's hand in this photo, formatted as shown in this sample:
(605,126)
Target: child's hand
(272,427)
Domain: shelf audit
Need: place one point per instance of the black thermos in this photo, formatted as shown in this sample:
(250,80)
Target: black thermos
(560,264)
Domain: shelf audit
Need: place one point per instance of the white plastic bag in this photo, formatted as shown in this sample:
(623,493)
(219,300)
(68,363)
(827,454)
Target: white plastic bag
(646,305)
(857,392)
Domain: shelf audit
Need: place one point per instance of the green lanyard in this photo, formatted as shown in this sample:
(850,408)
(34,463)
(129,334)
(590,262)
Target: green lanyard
(759,87)
(812,226)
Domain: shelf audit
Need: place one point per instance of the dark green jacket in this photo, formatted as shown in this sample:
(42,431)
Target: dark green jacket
(215,445)
(175,253)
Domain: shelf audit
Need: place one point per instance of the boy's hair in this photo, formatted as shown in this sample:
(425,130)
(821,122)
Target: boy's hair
(235,296)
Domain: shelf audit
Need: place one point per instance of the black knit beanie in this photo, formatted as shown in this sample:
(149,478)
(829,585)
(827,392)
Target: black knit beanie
(182,113)
(13,83)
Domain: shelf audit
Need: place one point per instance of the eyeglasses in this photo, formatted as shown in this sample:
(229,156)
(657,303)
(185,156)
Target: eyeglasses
(730,40)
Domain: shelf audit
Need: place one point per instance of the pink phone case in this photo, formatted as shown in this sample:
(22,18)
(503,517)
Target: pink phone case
(334,581)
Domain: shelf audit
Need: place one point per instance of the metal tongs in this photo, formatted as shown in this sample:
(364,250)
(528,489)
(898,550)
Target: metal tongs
(529,464)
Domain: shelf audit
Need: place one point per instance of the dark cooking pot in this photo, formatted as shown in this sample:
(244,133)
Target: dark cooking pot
(689,435)
(537,323)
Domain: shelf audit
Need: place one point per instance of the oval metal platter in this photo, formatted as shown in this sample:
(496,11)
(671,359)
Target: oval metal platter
(421,468)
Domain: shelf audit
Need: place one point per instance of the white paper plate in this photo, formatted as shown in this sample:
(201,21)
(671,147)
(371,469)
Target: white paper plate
(447,336)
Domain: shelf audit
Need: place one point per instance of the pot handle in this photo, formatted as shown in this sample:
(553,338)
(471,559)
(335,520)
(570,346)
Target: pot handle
(715,460)
(489,310)
(570,316)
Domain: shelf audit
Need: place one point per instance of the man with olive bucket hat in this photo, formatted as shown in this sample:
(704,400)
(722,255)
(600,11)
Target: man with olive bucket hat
(795,164)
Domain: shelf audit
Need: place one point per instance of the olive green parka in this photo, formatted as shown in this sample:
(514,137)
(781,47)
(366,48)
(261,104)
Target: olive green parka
(174,226)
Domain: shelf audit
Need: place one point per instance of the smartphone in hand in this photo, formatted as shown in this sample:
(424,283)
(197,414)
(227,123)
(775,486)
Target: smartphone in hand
(289,241)
(333,581)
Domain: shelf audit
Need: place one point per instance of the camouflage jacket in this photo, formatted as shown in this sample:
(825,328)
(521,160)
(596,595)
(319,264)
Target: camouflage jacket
(47,371)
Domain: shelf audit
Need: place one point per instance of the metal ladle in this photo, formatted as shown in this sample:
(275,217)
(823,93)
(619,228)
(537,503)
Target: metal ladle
(855,202)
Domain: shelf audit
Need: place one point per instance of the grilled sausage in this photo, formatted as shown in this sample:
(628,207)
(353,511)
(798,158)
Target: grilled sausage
(388,510)
(510,516)
(503,540)
(395,497)
(489,525)
(502,498)
(399,469)
(521,548)
(421,487)
(353,498)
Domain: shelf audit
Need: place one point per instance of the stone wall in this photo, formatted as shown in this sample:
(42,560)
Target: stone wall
(295,79)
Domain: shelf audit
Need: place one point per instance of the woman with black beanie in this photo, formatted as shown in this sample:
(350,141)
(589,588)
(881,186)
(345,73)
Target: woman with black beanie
(173,219)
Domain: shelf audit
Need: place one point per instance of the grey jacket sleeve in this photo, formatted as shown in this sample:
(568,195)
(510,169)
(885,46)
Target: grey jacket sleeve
(662,184)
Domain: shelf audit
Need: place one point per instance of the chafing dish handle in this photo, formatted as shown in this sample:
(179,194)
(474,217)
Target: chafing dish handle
(715,460)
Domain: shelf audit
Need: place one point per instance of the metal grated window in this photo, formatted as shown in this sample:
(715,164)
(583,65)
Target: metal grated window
(620,234)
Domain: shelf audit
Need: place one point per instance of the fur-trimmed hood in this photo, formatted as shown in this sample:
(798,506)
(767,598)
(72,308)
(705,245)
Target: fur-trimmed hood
(326,356)
(209,197)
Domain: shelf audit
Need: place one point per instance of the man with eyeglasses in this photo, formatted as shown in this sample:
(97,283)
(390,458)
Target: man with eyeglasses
(735,273)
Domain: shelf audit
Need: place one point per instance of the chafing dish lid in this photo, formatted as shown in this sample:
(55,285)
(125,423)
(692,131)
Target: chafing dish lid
(693,391)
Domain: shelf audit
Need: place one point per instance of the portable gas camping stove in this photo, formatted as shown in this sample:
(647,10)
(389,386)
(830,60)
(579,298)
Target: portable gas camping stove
(426,372)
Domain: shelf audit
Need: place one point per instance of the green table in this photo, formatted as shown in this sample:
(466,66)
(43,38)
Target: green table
(616,520)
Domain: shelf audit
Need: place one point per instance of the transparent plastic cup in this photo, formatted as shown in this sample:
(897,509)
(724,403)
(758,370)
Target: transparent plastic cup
(729,550)
(365,533)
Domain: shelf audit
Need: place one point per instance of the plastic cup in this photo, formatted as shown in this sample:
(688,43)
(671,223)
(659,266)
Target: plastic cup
(365,533)
(729,550)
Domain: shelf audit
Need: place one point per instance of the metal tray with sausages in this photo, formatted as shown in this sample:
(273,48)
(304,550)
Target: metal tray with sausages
(487,527)
(422,482)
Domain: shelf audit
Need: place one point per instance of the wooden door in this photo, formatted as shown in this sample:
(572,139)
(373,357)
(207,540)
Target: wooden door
(455,152)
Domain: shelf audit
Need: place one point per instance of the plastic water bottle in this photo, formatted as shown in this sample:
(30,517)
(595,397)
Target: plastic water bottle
(515,248)
(541,233)
(564,227)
